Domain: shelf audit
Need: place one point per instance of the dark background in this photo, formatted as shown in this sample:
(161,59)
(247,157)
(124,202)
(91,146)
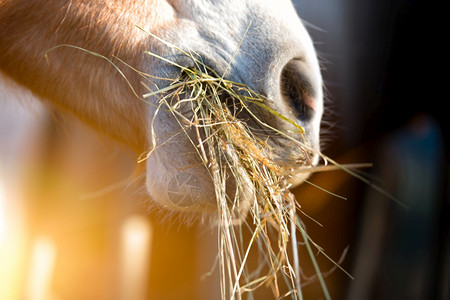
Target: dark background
(384,75)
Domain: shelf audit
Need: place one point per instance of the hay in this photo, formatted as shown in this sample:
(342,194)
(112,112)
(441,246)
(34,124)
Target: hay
(228,147)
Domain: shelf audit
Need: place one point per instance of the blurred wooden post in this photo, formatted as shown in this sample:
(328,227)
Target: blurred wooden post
(20,127)
(40,273)
(136,238)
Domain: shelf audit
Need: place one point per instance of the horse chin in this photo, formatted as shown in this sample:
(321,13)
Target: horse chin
(192,191)
(178,180)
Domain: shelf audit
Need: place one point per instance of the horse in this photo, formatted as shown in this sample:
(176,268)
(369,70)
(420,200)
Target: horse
(48,49)
(82,61)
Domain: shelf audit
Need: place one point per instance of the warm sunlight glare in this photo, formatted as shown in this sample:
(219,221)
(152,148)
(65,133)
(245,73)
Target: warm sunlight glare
(12,244)
(136,237)
(41,269)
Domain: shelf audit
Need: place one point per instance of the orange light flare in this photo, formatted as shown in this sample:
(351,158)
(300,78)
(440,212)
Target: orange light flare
(12,243)
(41,267)
(136,236)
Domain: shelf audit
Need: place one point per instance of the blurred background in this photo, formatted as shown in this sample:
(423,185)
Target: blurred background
(381,70)
(73,228)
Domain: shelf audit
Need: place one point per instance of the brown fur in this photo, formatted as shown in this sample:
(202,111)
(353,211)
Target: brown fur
(71,79)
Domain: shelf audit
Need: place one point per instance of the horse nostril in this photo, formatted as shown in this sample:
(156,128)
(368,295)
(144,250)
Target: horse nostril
(297,90)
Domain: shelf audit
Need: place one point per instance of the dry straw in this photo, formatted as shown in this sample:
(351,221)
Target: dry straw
(229,148)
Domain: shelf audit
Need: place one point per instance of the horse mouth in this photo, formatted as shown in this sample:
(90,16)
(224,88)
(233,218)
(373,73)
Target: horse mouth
(236,139)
